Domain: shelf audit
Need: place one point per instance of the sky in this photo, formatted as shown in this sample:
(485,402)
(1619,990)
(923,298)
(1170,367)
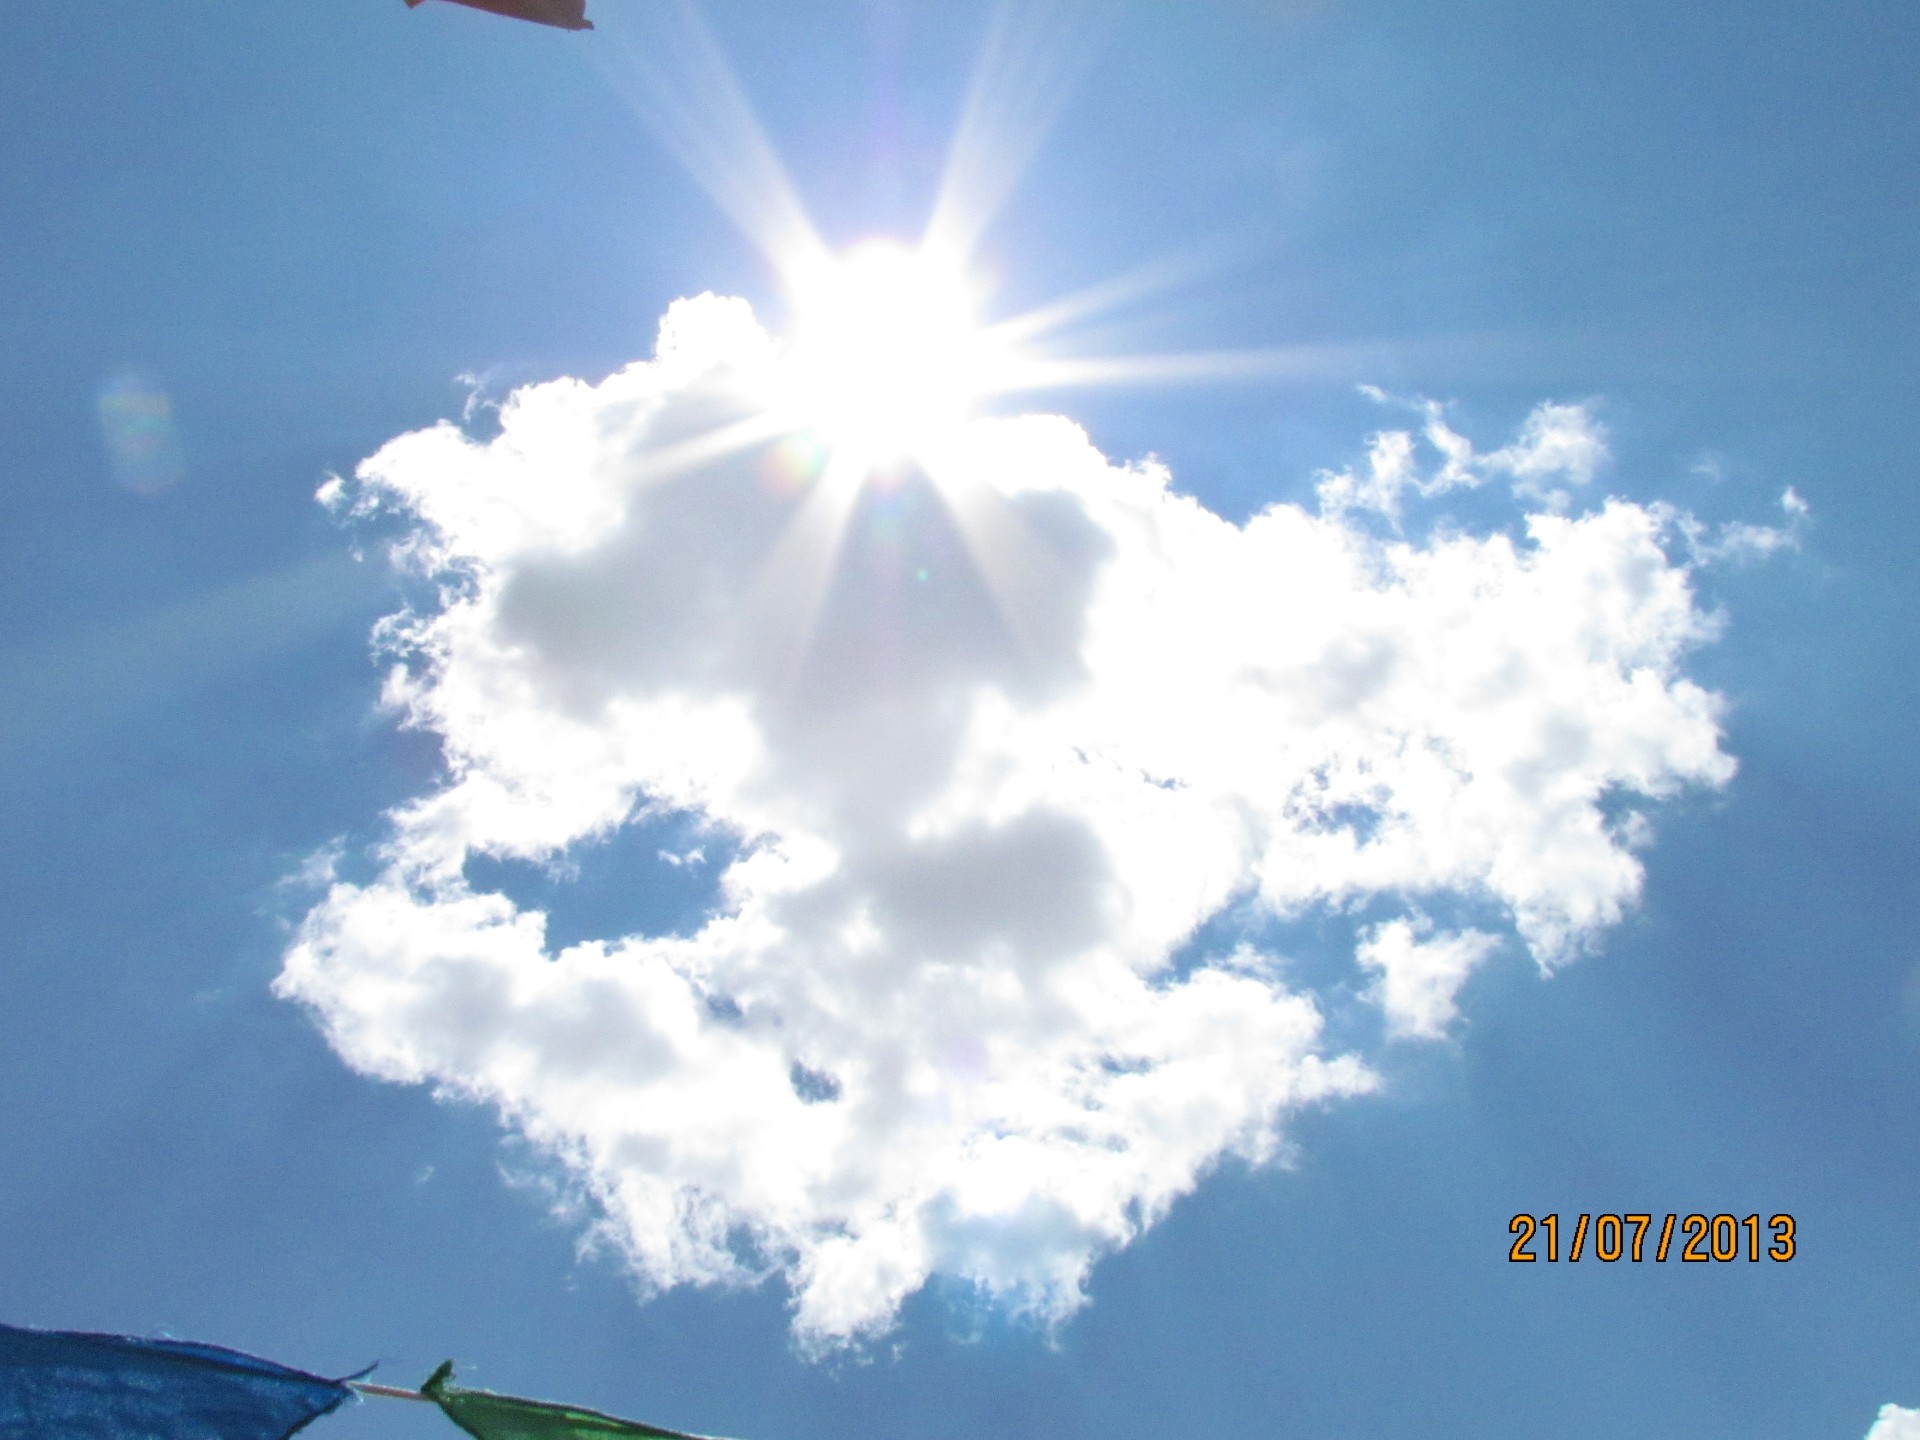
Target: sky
(613,773)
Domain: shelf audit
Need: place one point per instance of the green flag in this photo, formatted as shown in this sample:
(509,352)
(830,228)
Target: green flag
(487,1416)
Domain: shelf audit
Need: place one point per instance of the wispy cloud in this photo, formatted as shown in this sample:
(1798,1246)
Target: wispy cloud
(1558,451)
(1047,718)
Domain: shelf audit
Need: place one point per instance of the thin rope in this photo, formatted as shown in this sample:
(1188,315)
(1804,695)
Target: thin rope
(387,1390)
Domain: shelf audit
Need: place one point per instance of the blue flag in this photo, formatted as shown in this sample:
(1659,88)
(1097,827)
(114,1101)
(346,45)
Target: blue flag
(63,1385)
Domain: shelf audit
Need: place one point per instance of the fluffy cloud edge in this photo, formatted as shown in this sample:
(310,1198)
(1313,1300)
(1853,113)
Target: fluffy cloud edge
(1895,1422)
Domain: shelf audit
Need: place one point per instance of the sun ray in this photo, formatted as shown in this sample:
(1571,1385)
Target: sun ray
(1110,295)
(709,445)
(1277,362)
(791,589)
(675,76)
(1010,561)
(1030,60)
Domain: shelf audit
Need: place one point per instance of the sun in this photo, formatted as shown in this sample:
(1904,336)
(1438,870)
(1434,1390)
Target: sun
(884,366)
(888,359)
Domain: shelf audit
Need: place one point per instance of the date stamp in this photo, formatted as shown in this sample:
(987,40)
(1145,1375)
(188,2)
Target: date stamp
(1607,1238)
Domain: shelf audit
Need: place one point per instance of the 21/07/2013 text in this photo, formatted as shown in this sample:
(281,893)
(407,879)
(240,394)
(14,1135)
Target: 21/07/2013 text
(1608,1238)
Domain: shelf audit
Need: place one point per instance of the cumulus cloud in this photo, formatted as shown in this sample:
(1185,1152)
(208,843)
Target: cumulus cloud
(972,755)
(1896,1422)
(1420,974)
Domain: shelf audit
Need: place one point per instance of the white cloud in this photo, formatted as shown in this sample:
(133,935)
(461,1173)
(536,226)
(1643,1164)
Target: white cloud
(1558,442)
(1740,541)
(1559,446)
(983,762)
(1896,1422)
(1420,976)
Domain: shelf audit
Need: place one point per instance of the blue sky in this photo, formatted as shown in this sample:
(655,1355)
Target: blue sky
(301,225)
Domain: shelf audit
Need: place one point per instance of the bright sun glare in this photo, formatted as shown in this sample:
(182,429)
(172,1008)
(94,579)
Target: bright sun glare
(888,358)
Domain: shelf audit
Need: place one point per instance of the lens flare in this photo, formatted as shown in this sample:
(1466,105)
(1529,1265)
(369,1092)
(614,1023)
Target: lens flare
(136,426)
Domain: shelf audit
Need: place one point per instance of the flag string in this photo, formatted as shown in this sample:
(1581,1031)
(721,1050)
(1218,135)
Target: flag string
(390,1391)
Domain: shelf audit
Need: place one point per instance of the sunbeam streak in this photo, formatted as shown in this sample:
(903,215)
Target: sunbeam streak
(1028,65)
(1276,362)
(1102,297)
(1012,563)
(791,589)
(676,78)
(708,446)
